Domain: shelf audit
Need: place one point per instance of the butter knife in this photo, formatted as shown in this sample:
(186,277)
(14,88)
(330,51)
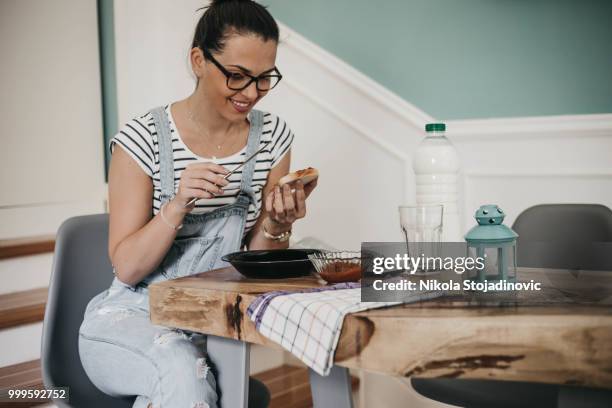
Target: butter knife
(193,200)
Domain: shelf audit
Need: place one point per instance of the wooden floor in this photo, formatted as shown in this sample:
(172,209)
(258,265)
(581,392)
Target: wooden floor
(289,386)
(24,307)
(21,376)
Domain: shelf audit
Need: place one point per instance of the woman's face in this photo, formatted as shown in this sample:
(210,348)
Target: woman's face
(248,54)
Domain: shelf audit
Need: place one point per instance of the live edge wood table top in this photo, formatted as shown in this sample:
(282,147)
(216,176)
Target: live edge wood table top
(561,337)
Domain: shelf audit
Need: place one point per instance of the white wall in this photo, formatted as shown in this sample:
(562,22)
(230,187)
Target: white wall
(153,38)
(52,157)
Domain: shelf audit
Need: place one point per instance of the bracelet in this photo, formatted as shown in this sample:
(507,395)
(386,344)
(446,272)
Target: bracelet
(282,237)
(161,211)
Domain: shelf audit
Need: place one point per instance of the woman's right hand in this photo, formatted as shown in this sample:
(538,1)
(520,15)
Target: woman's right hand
(201,180)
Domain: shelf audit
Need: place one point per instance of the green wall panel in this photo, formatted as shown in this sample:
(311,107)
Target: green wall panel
(471,58)
(106,29)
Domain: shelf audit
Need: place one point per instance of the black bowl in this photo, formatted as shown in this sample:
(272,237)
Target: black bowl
(272,263)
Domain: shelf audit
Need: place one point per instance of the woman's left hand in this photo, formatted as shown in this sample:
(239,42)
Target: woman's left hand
(283,207)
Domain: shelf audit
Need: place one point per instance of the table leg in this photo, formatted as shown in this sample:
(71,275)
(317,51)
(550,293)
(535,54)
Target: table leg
(333,390)
(230,358)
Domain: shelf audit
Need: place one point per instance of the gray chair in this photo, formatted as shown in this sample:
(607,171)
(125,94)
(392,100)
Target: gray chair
(81,269)
(546,232)
(565,236)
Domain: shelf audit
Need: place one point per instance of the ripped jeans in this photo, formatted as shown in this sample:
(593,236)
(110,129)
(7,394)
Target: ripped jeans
(124,354)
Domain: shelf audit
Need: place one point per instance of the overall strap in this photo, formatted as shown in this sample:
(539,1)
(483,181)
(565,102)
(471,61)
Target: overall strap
(256,120)
(166,158)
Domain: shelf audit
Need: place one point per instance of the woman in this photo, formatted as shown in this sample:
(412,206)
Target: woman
(167,157)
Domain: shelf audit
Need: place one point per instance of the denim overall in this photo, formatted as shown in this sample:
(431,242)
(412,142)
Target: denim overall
(122,352)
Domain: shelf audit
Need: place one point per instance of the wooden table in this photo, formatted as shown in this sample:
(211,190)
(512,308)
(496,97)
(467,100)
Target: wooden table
(562,335)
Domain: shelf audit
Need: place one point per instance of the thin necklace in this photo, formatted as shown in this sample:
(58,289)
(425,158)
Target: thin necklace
(208,138)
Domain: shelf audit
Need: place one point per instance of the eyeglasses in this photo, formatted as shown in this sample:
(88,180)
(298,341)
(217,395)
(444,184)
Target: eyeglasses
(237,81)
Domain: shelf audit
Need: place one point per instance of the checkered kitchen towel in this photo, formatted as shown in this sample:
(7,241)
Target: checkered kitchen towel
(307,322)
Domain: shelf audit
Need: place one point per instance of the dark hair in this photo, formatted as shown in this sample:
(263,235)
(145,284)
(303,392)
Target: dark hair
(243,16)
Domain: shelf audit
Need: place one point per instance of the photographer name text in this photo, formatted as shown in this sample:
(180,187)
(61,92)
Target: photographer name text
(436,285)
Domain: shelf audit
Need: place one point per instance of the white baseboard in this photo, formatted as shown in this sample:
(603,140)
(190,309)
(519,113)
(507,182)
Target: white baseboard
(20,344)
(44,218)
(25,273)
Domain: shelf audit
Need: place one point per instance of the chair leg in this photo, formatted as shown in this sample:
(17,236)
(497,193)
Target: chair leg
(333,390)
(230,359)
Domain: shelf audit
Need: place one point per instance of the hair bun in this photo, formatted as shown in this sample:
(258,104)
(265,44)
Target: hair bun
(244,16)
(214,3)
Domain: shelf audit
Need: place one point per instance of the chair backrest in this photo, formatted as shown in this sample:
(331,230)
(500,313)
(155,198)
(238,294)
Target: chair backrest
(565,236)
(81,269)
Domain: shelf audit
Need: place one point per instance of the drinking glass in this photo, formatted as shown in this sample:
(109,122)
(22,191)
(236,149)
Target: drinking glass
(422,230)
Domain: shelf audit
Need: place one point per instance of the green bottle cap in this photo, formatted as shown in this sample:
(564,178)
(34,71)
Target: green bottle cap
(435,127)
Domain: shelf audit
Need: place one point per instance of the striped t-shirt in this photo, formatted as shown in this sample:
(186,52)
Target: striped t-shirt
(138,137)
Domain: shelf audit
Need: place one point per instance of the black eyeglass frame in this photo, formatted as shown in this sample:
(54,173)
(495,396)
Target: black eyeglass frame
(228,74)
